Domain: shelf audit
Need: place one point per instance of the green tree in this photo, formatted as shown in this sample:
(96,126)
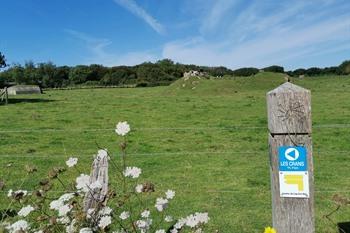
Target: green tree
(345,67)
(2,61)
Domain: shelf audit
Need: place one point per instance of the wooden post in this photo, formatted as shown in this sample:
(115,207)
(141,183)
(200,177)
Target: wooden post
(289,124)
(6,96)
(97,197)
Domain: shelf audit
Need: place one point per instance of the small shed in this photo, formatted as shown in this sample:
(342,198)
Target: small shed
(24,89)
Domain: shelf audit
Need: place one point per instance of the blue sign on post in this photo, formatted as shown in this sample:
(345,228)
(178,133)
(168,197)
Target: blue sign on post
(292,158)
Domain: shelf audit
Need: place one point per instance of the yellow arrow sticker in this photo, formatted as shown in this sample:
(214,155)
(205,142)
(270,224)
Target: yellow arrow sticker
(295,179)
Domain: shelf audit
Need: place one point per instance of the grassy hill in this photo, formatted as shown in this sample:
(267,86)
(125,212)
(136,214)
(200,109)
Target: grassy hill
(206,139)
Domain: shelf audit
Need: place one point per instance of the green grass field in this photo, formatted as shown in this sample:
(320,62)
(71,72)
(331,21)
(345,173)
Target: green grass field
(206,139)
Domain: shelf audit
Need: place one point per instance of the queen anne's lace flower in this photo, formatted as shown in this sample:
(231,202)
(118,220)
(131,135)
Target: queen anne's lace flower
(86,230)
(64,210)
(56,204)
(170,194)
(9,194)
(161,204)
(168,218)
(180,223)
(19,226)
(139,188)
(25,211)
(122,128)
(105,211)
(196,219)
(133,172)
(71,162)
(124,215)
(66,197)
(145,214)
(105,221)
(82,182)
(160,231)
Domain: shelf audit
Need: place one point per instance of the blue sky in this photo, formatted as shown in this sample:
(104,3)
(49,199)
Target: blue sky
(233,33)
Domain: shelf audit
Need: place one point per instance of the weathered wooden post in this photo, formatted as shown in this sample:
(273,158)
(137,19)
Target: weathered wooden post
(98,190)
(291,162)
(6,96)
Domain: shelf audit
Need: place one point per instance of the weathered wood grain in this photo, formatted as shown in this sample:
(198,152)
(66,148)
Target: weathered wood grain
(289,123)
(99,172)
(291,215)
(289,109)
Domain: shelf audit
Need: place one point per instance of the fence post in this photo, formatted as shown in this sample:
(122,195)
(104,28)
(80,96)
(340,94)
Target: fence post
(6,96)
(97,197)
(291,162)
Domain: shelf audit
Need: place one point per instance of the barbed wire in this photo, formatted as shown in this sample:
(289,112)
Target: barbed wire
(202,191)
(162,128)
(158,154)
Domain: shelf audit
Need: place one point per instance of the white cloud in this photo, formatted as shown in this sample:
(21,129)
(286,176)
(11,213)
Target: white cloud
(98,48)
(216,14)
(255,38)
(132,6)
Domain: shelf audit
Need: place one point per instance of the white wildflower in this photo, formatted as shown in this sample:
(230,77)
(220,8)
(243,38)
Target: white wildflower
(102,154)
(9,194)
(174,230)
(161,204)
(71,162)
(122,128)
(141,224)
(170,194)
(105,221)
(19,226)
(25,211)
(180,223)
(66,197)
(40,231)
(124,215)
(56,204)
(86,230)
(105,211)
(139,188)
(168,218)
(145,214)
(144,225)
(160,231)
(191,221)
(196,219)
(64,210)
(133,172)
(202,217)
(82,182)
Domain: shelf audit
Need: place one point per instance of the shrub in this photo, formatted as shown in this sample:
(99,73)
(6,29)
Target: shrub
(246,71)
(275,69)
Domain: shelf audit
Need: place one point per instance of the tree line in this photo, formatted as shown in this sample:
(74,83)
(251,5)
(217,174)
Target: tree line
(162,72)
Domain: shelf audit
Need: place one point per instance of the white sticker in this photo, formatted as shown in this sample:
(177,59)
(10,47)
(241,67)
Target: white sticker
(294,184)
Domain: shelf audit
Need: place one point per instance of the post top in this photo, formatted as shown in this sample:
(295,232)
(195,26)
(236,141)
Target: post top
(287,87)
(289,110)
